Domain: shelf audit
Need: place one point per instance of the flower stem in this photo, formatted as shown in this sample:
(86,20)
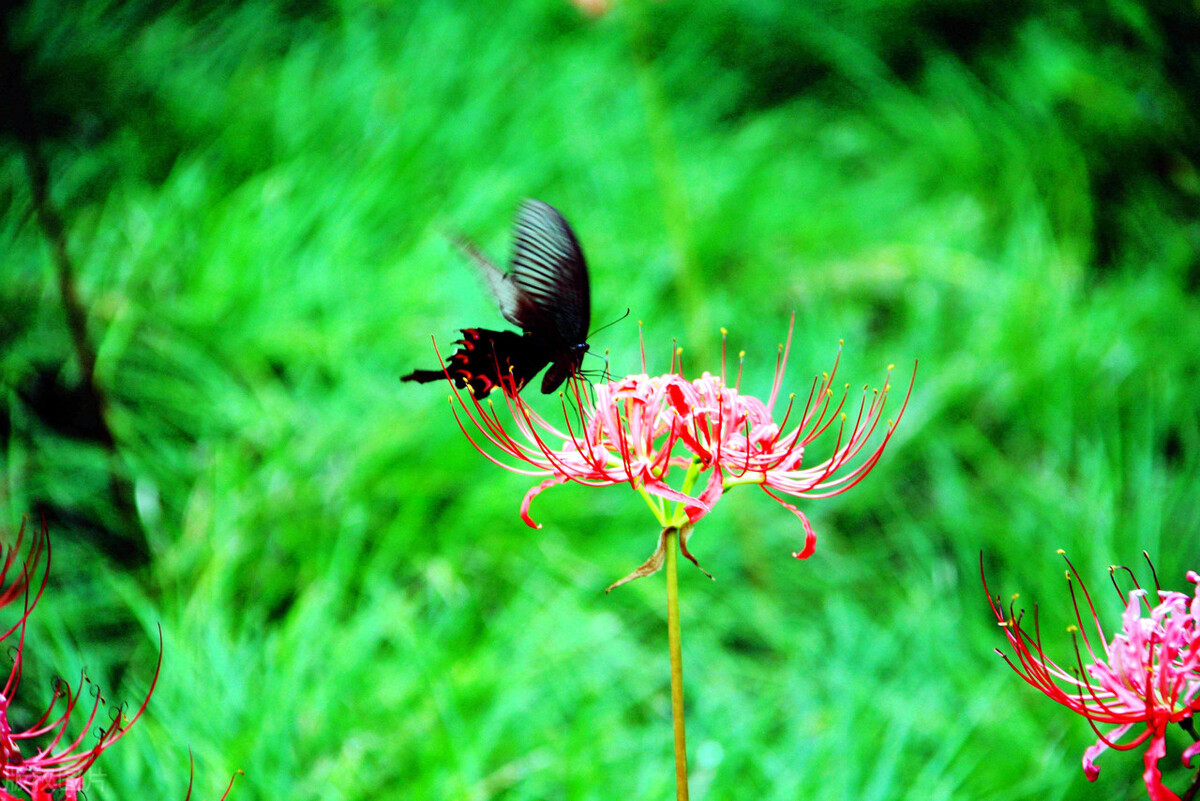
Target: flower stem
(681,785)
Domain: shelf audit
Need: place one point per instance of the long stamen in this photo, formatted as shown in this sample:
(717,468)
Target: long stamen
(724,336)
(781,364)
(642,346)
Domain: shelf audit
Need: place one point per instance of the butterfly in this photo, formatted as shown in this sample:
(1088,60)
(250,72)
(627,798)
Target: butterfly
(545,292)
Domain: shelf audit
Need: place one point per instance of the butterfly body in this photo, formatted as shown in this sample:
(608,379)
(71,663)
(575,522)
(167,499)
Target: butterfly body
(545,293)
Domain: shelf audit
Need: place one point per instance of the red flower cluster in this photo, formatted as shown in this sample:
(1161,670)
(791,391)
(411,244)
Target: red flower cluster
(638,429)
(42,760)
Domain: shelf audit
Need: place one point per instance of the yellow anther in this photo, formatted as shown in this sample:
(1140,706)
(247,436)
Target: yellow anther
(791,396)
(891,367)
(1071,629)
(679,351)
(741,354)
(843,417)
(847,386)
(1067,573)
(724,332)
(1015,596)
(841,342)
(1061,552)
(829,392)
(887,387)
(825,376)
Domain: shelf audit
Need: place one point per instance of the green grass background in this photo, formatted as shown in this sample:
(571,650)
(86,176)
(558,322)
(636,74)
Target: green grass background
(255,197)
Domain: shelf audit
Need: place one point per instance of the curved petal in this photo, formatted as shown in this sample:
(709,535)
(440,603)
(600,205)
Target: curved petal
(697,507)
(1190,752)
(810,536)
(1102,745)
(533,493)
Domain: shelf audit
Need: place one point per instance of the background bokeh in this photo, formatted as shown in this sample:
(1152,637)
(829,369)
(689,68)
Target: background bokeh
(252,201)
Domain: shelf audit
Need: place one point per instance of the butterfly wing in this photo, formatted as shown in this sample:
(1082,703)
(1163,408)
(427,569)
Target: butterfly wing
(545,292)
(549,277)
(487,359)
(500,285)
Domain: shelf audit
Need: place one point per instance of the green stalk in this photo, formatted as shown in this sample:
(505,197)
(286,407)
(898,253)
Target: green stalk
(681,784)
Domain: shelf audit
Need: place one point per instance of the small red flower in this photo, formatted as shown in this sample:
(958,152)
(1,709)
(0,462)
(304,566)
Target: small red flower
(57,764)
(641,429)
(1143,678)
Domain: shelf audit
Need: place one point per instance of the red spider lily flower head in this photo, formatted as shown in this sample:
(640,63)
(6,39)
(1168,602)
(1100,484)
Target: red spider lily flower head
(53,764)
(647,430)
(1143,677)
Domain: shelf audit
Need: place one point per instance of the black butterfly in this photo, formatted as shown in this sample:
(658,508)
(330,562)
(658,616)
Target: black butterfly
(545,292)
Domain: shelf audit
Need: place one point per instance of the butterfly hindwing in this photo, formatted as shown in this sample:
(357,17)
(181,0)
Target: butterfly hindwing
(487,359)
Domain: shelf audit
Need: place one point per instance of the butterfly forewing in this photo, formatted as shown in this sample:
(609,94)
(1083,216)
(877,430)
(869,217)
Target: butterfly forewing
(550,276)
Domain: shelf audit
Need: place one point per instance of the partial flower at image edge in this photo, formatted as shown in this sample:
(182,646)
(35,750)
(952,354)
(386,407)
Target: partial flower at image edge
(1140,680)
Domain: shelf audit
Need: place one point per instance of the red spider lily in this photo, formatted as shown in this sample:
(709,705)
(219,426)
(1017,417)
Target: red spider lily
(58,764)
(1147,674)
(637,429)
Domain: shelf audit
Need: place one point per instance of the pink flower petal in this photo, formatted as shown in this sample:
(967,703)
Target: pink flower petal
(1090,755)
(1190,752)
(712,493)
(533,493)
(810,537)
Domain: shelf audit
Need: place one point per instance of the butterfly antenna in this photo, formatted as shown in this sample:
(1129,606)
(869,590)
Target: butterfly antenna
(609,325)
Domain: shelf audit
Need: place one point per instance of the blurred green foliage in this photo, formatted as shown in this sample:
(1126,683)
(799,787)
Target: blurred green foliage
(254,198)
